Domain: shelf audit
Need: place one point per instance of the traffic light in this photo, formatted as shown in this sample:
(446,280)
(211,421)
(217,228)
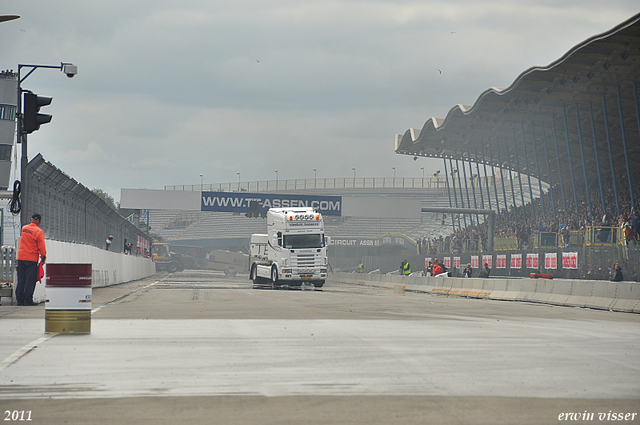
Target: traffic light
(31,118)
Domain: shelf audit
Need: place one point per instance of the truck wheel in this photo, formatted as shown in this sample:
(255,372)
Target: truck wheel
(172,268)
(254,275)
(274,277)
(318,283)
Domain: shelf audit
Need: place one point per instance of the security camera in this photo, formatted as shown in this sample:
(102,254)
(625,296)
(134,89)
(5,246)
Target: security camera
(69,69)
(415,158)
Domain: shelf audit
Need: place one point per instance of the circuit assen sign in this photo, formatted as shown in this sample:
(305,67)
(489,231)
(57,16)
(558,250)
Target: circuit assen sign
(400,240)
(243,202)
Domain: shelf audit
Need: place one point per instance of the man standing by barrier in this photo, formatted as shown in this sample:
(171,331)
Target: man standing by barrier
(32,248)
(405,268)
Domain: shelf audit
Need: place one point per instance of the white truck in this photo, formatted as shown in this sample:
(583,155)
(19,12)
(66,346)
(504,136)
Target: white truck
(293,251)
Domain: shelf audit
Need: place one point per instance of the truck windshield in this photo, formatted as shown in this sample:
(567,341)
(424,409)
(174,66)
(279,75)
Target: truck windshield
(315,240)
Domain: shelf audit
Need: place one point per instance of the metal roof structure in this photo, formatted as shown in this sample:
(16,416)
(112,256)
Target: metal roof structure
(578,117)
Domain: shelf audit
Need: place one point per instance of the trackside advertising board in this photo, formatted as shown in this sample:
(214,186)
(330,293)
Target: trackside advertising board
(243,202)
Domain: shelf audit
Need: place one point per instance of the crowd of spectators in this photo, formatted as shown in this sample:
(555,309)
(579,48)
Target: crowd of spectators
(523,221)
(8,73)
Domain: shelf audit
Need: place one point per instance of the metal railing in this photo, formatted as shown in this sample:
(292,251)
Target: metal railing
(604,236)
(8,263)
(505,243)
(545,240)
(319,183)
(471,245)
(592,236)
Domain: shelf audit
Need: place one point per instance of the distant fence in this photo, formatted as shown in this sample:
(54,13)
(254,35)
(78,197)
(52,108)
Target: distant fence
(322,183)
(73,213)
(584,262)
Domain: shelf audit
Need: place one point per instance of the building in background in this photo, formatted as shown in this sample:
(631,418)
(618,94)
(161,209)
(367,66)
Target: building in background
(8,108)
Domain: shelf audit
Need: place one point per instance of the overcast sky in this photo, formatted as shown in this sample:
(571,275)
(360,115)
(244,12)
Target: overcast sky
(170,90)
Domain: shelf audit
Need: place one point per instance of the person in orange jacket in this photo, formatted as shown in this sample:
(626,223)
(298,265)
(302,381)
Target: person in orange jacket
(32,249)
(437,268)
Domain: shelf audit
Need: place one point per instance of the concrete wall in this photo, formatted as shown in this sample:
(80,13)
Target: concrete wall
(615,296)
(108,268)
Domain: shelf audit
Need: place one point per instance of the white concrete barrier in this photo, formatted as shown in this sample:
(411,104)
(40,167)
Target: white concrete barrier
(580,293)
(527,289)
(603,296)
(543,291)
(108,268)
(627,297)
(513,290)
(617,296)
(499,289)
(561,292)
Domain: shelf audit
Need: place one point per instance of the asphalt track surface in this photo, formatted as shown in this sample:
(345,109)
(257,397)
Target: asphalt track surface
(197,347)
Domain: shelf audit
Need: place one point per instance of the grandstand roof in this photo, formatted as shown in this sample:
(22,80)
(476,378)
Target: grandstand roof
(543,108)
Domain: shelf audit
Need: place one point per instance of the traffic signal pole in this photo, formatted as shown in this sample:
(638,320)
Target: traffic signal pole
(21,137)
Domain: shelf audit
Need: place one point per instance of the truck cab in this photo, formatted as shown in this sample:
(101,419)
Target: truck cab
(293,251)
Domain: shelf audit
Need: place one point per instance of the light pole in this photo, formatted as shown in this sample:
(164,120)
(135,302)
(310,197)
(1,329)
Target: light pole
(238,173)
(276,179)
(201,182)
(315,177)
(70,70)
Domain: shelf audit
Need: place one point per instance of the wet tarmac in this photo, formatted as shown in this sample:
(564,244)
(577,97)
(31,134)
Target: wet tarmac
(201,334)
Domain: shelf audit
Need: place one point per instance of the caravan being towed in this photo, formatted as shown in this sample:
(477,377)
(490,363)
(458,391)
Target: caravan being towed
(293,251)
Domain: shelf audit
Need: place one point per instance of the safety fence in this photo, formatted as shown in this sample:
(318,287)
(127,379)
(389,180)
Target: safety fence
(592,236)
(73,213)
(319,183)
(586,262)
(615,296)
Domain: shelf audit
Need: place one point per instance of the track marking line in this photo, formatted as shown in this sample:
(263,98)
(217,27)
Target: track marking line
(24,351)
(97,309)
(21,352)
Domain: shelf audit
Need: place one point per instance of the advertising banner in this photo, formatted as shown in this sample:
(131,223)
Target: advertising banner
(143,245)
(501,261)
(245,202)
(487,259)
(516,261)
(456,262)
(569,260)
(532,261)
(550,260)
(447,262)
(474,261)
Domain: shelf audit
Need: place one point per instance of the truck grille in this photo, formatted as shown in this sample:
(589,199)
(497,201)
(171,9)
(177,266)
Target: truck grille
(305,260)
